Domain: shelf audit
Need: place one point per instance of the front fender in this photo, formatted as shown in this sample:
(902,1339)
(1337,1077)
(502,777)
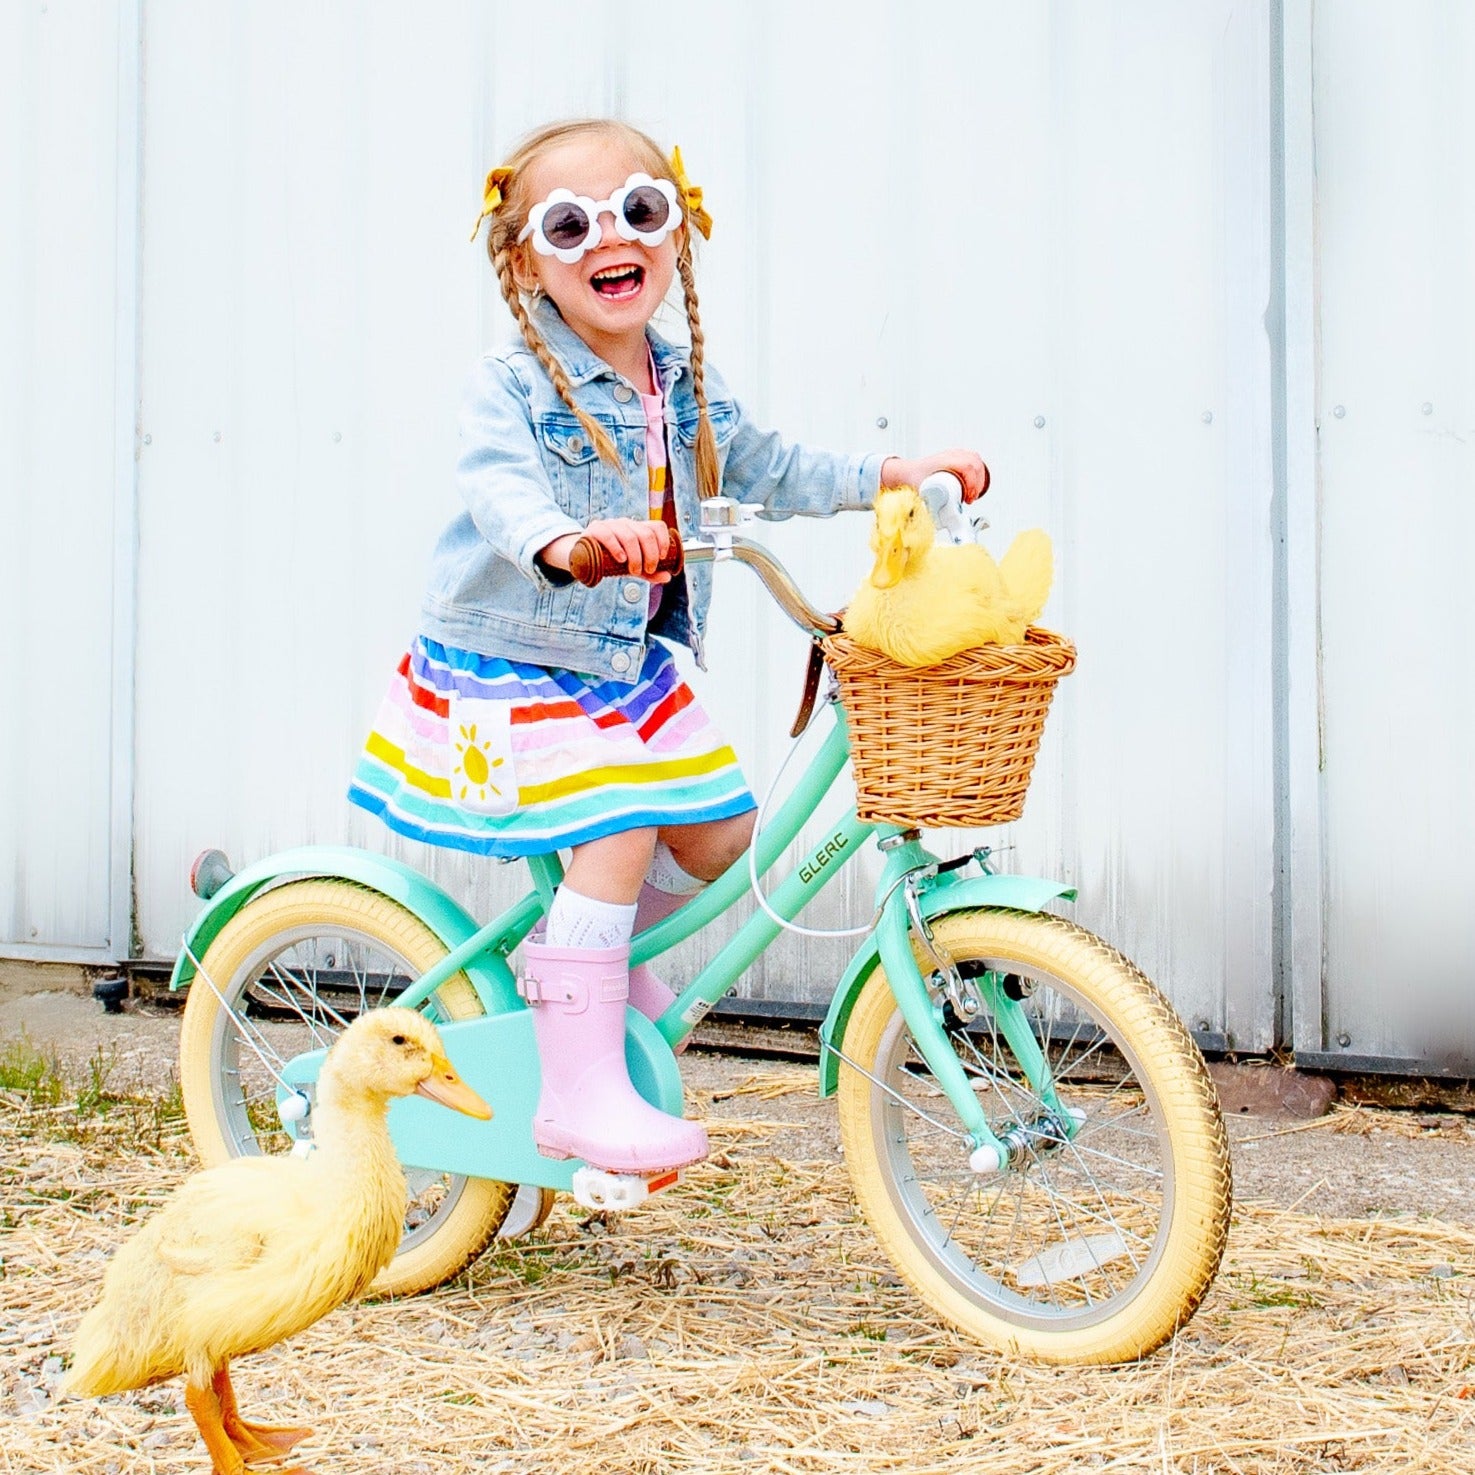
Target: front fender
(1017,893)
(441,913)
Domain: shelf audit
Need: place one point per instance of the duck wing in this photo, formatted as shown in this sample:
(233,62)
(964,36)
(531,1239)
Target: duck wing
(198,1279)
(228,1219)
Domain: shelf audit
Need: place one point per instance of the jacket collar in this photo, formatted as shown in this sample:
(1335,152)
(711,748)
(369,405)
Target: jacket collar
(582,364)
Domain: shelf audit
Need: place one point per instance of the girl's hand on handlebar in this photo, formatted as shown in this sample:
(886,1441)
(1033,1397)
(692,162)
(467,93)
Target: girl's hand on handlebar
(635,543)
(968,466)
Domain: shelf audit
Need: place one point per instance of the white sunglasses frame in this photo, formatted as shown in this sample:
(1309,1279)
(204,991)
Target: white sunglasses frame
(615,205)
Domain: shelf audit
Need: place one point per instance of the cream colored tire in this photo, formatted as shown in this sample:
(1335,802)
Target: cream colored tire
(301,959)
(1098,1239)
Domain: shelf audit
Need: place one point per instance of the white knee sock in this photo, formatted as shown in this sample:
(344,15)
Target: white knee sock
(579,921)
(666,875)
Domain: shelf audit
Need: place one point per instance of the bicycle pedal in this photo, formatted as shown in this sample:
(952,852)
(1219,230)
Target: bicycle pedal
(596,1189)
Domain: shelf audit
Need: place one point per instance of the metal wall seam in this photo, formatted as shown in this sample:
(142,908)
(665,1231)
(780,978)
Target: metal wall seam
(1303,808)
(129,227)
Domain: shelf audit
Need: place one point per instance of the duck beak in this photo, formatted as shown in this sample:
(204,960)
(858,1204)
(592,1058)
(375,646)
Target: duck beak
(445,1086)
(890,561)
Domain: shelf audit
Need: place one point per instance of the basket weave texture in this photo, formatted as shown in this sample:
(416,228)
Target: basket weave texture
(951,744)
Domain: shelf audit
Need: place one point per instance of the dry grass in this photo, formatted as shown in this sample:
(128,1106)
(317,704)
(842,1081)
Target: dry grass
(745,1322)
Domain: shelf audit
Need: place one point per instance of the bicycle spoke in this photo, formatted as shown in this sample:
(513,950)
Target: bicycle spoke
(1109,1218)
(1111,1157)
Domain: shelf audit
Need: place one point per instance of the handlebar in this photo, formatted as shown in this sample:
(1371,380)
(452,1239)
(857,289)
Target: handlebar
(776,579)
(590,561)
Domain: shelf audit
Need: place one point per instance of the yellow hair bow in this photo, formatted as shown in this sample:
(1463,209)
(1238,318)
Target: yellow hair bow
(691,196)
(492,194)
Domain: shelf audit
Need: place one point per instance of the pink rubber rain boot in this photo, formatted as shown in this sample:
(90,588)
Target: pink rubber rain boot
(587,1107)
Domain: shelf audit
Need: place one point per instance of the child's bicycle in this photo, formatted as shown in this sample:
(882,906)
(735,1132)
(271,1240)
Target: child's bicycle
(1029,1127)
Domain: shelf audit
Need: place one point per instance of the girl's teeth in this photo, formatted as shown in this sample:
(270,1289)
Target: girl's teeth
(617,281)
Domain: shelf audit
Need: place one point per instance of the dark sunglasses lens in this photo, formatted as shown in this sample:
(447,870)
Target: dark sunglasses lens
(646,209)
(565,225)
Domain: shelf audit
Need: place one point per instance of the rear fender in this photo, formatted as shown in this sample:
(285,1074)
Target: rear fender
(1017,893)
(444,916)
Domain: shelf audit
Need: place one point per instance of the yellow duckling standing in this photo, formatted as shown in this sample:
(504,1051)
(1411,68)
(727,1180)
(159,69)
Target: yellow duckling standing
(250,1252)
(922,603)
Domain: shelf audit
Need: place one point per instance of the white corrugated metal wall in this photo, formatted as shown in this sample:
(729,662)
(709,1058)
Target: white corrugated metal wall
(1044,231)
(1394,406)
(67,89)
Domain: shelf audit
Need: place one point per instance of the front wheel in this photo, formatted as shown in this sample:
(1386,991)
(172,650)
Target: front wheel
(286,975)
(1101,1234)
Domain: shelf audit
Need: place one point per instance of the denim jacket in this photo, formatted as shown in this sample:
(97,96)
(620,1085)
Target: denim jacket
(528,474)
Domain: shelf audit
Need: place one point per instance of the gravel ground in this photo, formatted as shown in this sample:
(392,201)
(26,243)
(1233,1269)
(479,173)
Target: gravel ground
(1355,1162)
(746,1322)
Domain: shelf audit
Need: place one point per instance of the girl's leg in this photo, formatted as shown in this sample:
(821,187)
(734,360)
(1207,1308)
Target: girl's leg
(687,858)
(611,869)
(707,850)
(577,982)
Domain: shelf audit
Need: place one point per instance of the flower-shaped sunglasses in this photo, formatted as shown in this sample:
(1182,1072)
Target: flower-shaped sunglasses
(566,225)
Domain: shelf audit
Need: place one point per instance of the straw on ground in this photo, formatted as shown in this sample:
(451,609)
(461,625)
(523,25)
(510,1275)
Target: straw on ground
(745,1321)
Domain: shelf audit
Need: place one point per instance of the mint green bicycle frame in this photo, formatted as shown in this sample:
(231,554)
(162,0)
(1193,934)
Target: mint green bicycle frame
(889,946)
(497,1053)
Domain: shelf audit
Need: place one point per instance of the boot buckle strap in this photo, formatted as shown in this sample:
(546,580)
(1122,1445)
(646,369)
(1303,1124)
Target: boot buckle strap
(553,991)
(530,989)
(573,993)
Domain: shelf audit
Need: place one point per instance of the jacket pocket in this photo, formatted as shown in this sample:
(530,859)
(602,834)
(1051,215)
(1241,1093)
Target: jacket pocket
(724,417)
(572,463)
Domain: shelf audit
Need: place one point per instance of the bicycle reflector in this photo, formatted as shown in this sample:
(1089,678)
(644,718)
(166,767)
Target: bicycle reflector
(209,873)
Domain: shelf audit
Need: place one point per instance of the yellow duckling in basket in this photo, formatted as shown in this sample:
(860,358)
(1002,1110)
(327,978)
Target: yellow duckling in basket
(922,603)
(250,1252)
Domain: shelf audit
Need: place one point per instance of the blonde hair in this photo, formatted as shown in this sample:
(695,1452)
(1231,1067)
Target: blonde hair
(507,223)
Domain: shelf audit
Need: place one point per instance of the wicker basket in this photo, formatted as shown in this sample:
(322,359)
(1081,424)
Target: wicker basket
(951,744)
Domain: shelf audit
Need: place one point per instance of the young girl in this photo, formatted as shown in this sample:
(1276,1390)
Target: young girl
(534,714)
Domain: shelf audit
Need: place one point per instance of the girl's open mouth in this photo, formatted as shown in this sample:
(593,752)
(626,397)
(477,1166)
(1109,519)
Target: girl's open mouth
(618,282)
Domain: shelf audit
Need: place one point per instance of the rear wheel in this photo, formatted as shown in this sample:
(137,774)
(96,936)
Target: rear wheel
(1104,1230)
(292,969)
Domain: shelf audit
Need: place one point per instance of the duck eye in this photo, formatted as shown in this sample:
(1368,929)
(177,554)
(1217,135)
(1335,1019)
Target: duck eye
(398,1040)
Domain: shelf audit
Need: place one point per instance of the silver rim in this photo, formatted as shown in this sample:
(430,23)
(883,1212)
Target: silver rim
(525,1214)
(1073,1228)
(296,993)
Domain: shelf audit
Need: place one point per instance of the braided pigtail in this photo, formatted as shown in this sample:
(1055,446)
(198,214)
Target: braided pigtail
(598,435)
(709,473)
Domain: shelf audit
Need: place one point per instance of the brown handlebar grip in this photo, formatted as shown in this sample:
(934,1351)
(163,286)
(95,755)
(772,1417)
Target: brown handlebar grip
(590,561)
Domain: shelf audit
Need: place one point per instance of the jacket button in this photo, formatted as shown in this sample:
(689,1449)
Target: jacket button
(575,444)
(637,454)
(619,661)
(633,593)
(624,393)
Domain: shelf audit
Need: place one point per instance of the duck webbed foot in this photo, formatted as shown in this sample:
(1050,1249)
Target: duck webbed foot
(255,1442)
(204,1408)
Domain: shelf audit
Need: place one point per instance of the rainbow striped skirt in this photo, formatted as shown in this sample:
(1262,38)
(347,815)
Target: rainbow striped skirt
(503,758)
